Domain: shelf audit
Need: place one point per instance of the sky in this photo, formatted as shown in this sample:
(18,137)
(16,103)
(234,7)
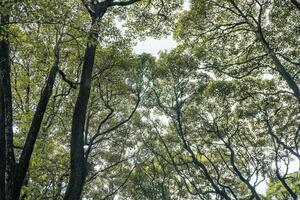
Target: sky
(154,46)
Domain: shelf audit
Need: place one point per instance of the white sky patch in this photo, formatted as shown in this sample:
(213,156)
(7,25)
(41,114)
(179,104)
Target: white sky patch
(186,5)
(154,46)
(267,76)
(262,188)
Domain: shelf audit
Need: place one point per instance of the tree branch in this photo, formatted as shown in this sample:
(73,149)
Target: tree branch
(296,3)
(63,76)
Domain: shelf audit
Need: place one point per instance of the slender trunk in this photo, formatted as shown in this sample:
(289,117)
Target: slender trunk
(199,164)
(239,174)
(7,161)
(78,159)
(279,66)
(2,147)
(8,118)
(281,179)
(22,167)
(78,166)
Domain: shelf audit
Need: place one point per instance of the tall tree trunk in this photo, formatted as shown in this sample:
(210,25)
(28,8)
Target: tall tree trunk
(8,118)
(2,147)
(2,140)
(22,167)
(78,166)
(283,72)
(78,160)
(279,66)
(5,120)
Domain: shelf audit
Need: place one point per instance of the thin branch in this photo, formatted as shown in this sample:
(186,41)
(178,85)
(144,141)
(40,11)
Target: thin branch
(63,76)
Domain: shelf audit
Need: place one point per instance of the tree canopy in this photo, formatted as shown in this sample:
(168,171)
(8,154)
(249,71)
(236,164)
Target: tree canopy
(82,116)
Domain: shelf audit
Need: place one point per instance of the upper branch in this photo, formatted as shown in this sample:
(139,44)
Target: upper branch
(296,3)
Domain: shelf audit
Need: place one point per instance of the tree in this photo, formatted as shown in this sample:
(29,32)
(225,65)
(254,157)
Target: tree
(221,128)
(78,166)
(63,30)
(83,117)
(16,171)
(244,36)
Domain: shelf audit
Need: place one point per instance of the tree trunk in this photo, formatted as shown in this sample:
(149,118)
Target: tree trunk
(246,181)
(283,72)
(22,167)
(78,160)
(8,118)
(2,147)
(279,66)
(78,166)
(280,178)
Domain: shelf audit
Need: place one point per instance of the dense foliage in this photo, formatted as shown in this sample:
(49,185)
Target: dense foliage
(84,117)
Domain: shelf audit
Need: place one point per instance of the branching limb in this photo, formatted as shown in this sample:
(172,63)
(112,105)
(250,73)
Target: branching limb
(64,78)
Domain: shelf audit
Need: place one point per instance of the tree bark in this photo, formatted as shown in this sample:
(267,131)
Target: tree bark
(78,160)
(22,167)
(78,166)
(8,118)
(2,147)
